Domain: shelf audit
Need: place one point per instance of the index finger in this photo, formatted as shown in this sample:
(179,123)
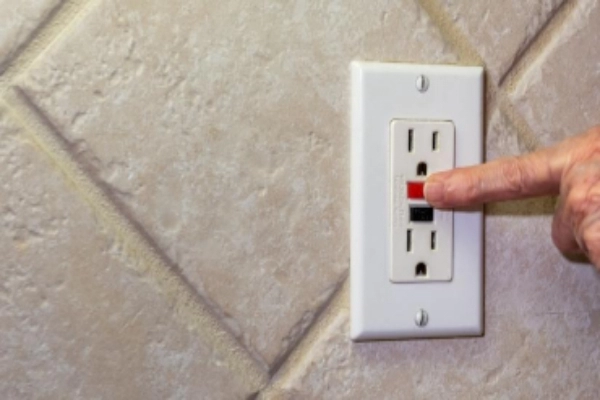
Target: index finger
(510,178)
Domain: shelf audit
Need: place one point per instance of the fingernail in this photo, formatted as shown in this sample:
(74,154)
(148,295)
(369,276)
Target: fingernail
(434,191)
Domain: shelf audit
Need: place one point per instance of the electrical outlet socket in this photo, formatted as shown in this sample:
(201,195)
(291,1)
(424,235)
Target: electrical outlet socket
(387,300)
(421,251)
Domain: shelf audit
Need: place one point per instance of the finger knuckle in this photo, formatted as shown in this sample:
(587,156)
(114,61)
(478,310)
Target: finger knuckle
(514,176)
(474,188)
(578,202)
(590,240)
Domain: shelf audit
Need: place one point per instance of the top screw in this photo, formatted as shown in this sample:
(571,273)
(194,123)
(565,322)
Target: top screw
(422,83)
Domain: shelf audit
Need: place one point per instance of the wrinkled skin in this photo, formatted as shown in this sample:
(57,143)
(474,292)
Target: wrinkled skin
(570,169)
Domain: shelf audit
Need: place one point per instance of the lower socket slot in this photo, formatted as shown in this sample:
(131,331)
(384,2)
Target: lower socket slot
(421,269)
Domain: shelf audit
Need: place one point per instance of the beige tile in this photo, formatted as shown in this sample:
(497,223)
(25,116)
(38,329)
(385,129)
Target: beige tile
(519,358)
(19,20)
(77,320)
(541,327)
(223,129)
(502,139)
(525,273)
(500,31)
(558,95)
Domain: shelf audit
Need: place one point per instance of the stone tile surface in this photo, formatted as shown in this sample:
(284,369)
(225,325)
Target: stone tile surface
(77,320)
(223,129)
(500,31)
(559,96)
(18,21)
(546,355)
(541,332)
(525,273)
(542,325)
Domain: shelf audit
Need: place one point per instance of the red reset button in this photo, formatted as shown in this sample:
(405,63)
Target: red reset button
(415,190)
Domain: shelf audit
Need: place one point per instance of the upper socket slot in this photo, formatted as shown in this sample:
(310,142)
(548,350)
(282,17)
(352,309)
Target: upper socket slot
(435,142)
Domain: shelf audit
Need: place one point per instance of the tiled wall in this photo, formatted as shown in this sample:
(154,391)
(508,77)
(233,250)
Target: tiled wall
(174,199)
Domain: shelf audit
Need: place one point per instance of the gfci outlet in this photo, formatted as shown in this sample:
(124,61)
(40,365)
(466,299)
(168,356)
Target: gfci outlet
(415,271)
(421,238)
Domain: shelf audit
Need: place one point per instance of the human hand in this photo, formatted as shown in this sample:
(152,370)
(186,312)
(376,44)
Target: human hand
(570,169)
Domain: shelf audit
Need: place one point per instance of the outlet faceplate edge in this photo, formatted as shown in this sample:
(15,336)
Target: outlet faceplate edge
(382,92)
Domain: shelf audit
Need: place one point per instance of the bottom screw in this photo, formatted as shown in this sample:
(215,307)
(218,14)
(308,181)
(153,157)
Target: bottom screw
(421,318)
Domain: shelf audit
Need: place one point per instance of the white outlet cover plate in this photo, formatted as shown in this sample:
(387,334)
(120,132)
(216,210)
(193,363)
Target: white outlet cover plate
(381,309)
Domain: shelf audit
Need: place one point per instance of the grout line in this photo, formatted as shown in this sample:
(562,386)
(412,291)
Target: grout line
(467,54)
(536,47)
(525,134)
(187,304)
(41,39)
(297,357)
(453,35)
(52,28)
(281,361)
